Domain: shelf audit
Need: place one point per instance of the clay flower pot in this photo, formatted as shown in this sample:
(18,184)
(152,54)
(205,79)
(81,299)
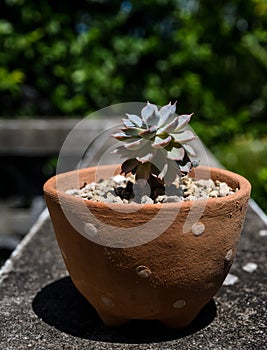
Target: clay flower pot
(163,261)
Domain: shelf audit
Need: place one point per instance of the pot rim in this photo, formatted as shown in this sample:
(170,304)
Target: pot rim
(50,189)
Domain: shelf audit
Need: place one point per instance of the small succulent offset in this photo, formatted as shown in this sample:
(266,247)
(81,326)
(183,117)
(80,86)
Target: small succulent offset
(156,146)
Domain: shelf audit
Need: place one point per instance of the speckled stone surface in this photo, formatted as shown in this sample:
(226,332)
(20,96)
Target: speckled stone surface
(41,309)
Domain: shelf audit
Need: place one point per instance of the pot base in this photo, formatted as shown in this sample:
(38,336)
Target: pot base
(112,321)
(175,322)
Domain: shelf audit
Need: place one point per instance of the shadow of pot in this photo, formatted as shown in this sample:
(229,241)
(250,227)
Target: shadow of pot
(80,319)
(154,261)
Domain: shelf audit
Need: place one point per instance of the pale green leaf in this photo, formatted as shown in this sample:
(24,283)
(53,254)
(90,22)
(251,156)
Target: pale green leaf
(184,136)
(189,150)
(121,136)
(135,145)
(148,133)
(137,121)
(182,121)
(167,114)
(169,128)
(176,153)
(160,142)
(148,110)
(127,123)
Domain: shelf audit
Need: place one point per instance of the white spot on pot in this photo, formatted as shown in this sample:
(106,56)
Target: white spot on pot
(90,230)
(250,267)
(263,233)
(230,280)
(198,228)
(143,271)
(229,255)
(210,285)
(179,304)
(107,301)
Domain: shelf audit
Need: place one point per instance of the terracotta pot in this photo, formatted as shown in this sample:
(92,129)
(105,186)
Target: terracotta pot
(163,261)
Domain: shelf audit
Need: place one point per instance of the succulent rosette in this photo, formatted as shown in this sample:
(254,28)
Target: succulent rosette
(155,144)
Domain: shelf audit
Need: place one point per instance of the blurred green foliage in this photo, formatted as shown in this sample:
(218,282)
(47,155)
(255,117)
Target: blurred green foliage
(68,58)
(247,156)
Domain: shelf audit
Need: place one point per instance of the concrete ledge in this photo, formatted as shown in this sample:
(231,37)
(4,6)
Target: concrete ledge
(41,309)
(46,136)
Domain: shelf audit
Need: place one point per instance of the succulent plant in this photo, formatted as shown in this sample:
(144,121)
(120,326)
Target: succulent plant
(156,146)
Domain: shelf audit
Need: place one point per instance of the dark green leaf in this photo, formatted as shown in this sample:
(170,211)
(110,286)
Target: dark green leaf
(129,165)
(143,171)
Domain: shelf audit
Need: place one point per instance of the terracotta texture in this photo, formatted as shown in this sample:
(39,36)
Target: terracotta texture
(169,277)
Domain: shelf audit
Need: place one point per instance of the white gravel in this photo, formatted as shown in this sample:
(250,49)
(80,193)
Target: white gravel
(250,267)
(183,189)
(230,280)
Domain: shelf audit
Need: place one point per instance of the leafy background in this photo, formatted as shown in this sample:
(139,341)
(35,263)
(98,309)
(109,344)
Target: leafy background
(69,58)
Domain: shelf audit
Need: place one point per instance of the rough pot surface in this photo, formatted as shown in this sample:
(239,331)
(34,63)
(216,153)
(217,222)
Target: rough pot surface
(156,261)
